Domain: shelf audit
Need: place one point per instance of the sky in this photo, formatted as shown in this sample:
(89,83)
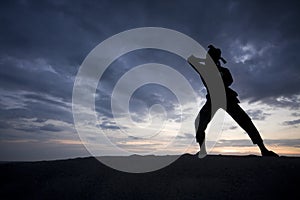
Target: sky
(44,43)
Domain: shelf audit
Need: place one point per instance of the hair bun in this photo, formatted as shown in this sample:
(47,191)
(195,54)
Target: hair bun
(211,46)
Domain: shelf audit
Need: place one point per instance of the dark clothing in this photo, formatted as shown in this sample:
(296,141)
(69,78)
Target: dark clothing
(233,109)
(231,95)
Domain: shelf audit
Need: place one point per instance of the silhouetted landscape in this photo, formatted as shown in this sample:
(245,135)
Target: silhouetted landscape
(214,177)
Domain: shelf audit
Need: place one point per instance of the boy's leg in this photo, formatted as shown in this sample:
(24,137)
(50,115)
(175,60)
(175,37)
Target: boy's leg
(241,117)
(201,123)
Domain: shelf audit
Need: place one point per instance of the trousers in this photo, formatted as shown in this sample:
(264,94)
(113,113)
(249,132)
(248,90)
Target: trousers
(236,112)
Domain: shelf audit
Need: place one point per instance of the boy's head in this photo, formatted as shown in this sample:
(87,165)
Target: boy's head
(215,54)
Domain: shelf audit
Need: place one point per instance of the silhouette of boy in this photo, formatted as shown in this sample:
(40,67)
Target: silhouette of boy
(233,109)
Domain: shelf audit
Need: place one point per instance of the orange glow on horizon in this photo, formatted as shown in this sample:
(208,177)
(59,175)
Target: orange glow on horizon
(71,142)
(254,150)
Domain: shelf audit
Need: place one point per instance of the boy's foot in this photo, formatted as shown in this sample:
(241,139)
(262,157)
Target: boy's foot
(269,153)
(202,153)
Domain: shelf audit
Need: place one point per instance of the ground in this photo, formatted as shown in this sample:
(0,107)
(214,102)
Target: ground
(213,177)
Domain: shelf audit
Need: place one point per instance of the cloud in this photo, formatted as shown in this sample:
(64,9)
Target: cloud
(42,110)
(295,114)
(257,114)
(232,127)
(109,125)
(292,122)
(186,136)
(149,94)
(22,75)
(35,129)
(51,128)
(268,46)
(4,125)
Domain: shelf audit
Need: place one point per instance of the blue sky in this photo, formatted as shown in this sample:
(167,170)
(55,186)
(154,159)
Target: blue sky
(43,44)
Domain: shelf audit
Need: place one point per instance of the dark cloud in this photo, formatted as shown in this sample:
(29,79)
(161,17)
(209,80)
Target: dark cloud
(40,120)
(232,127)
(295,114)
(62,34)
(4,125)
(38,110)
(108,124)
(27,128)
(147,95)
(292,122)
(291,102)
(133,137)
(51,128)
(257,114)
(186,136)
(189,135)
(34,76)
